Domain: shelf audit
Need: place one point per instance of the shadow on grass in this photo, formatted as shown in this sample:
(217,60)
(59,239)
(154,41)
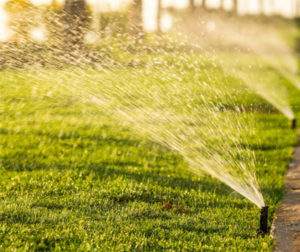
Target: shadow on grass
(128,170)
(74,136)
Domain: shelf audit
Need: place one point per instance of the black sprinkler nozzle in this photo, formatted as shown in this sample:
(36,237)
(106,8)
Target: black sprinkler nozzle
(263,229)
(294,123)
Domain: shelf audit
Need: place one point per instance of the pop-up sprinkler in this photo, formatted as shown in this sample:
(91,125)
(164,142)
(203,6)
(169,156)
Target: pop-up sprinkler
(263,229)
(294,123)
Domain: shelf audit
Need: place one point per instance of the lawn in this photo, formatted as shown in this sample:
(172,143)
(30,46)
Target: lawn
(77,175)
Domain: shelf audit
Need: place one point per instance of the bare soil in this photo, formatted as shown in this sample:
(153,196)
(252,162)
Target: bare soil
(286,227)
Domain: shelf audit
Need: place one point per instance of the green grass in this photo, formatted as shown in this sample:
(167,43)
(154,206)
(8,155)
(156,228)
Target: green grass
(75,178)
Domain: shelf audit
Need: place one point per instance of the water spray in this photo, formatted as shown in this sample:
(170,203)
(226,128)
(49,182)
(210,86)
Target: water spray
(294,123)
(263,229)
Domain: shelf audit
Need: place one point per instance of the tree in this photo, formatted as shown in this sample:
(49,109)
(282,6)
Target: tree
(297,8)
(158,18)
(222,5)
(235,6)
(192,5)
(261,7)
(204,3)
(75,22)
(137,18)
(272,6)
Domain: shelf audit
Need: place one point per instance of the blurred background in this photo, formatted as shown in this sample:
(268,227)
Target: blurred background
(152,12)
(70,26)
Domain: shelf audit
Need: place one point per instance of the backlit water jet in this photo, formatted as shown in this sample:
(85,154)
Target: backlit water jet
(159,98)
(270,90)
(162,108)
(259,38)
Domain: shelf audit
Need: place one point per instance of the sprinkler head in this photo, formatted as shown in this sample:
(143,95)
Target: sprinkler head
(294,123)
(263,229)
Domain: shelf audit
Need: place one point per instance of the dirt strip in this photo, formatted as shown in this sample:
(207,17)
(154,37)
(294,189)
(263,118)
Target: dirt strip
(286,226)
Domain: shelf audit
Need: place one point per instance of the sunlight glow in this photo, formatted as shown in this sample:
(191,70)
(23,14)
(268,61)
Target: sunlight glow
(38,34)
(166,22)
(283,7)
(4,33)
